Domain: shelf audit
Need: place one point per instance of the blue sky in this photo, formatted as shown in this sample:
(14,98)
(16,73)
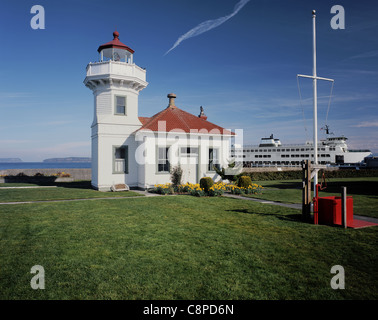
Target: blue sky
(243,72)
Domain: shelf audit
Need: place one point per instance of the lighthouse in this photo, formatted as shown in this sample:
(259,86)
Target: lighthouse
(115,82)
(130,151)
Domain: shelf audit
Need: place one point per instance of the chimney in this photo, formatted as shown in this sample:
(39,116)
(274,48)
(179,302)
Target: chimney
(202,114)
(172,98)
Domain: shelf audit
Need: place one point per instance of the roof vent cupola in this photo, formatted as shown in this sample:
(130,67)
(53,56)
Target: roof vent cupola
(172,98)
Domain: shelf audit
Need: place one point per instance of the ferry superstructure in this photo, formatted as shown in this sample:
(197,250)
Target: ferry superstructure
(271,152)
(331,151)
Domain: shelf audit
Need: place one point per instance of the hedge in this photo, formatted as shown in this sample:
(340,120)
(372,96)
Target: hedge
(329,174)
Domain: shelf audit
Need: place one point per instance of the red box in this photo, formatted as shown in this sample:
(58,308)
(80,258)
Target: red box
(330,211)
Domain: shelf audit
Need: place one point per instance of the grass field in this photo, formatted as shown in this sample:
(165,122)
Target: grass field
(178,247)
(61,191)
(363,190)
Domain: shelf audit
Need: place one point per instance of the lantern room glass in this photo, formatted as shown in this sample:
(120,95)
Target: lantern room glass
(116,54)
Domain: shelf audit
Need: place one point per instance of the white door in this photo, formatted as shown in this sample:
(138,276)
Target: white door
(189,164)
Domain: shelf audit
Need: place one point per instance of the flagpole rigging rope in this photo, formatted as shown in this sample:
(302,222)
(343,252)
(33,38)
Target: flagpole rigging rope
(303,114)
(329,102)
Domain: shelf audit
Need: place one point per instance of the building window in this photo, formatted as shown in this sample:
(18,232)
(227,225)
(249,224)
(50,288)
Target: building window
(213,159)
(163,163)
(189,152)
(120,159)
(120,105)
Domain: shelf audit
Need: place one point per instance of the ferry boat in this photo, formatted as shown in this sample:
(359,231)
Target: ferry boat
(332,151)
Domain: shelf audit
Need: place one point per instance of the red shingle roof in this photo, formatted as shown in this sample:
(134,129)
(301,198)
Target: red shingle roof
(144,119)
(177,120)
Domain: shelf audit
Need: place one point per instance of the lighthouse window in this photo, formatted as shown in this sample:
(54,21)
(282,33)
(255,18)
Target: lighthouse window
(120,159)
(120,107)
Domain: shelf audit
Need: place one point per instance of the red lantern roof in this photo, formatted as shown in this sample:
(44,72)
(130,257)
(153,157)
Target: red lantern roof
(115,43)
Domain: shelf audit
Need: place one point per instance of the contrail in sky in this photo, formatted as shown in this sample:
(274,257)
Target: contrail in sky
(208,25)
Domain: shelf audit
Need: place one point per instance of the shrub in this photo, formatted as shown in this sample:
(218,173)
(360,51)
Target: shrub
(21,174)
(329,174)
(244,181)
(206,183)
(38,174)
(176,175)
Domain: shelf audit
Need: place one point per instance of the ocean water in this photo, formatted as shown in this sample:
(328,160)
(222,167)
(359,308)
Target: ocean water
(44,165)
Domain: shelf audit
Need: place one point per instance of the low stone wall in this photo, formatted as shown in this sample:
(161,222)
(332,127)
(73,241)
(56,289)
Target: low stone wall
(75,174)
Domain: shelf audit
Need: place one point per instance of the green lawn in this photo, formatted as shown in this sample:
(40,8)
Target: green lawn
(62,191)
(363,190)
(179,247)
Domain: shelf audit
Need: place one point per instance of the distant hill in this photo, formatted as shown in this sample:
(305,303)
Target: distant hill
(69,159)
(10,160)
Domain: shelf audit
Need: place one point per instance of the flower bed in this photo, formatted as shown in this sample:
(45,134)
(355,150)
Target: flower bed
(217,189)
(251,189)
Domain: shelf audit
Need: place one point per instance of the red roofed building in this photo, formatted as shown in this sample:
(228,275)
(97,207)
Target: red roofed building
(142,151)
(176,119)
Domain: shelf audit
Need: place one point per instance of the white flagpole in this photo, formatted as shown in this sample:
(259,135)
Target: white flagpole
(315,99)
(315,78)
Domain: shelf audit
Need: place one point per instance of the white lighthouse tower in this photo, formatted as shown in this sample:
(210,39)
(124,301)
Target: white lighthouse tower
(116,82)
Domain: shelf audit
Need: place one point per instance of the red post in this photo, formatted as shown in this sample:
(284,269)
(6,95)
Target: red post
(344,221)
(316,208)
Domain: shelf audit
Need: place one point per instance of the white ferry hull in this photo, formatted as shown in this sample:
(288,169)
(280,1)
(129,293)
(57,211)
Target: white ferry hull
(270,152)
